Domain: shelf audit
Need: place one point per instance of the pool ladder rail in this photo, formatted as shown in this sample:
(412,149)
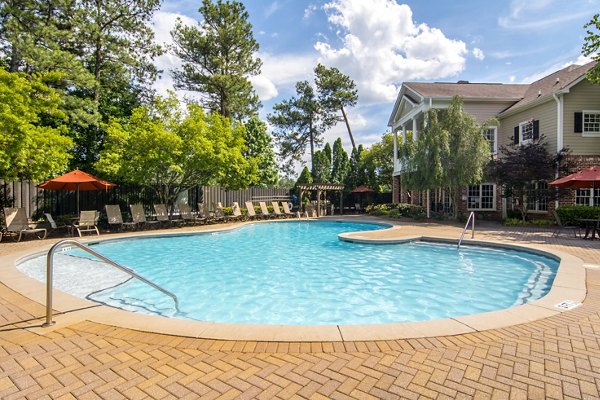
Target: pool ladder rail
(471,220)
(50,273)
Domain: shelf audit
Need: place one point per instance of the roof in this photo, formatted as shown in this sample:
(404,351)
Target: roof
(552,83)
(471,90)
(320,186)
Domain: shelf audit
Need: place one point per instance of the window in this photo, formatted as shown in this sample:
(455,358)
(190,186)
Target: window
(491,134)
(583,197)
(537,199)
(482,197)
(591,122)
(526,131)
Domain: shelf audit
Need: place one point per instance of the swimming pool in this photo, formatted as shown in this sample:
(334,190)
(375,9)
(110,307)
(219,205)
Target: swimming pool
(300,273)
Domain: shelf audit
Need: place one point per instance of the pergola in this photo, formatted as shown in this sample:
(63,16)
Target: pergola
(321,188)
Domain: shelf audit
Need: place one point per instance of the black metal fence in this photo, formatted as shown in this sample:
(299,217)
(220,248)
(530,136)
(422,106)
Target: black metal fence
(38,201)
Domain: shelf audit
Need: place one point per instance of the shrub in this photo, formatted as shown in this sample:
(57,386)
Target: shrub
(571,214)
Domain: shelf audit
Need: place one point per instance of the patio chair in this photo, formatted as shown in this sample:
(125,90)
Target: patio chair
(205,214)
(15,222)
(162,215)
(218,214)
(237,213)
(560,227)
(287,211)
(138,215)
(115,218)
(56,227)
(87,222)
(250,210)
(277,210)
(264,210)
(310,211)
(188,216)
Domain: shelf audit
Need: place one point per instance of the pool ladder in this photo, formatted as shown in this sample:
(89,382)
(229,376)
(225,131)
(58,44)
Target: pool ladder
(471,220)
(50,273)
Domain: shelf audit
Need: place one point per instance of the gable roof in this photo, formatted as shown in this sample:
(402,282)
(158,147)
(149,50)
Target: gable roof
(490,91)
(551,84)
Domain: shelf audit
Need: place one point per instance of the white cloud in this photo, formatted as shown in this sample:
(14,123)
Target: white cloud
(264,87)
(272,8)
(381,47)
(308,11)
(478,53)
(581,60)
(287,69)
(538,14)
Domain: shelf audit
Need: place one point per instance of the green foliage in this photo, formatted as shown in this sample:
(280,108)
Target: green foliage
(336,92)
(170,151)
(305,176)
(397,210)
(218,56)
(570,215)
(260,147)
(339,162)
(28,149)
(321,170)
(377,162)
(591,47)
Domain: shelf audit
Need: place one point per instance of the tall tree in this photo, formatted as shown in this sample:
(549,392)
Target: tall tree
(170,151)
(591,47)
(356,173)
(218,57)
(336,92)
(298,122)
(29,150)
(378,163)
(339,162)
(260,148)
(321,169)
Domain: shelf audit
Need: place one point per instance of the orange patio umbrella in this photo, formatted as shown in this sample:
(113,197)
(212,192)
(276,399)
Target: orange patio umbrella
(586,178)
(76,180)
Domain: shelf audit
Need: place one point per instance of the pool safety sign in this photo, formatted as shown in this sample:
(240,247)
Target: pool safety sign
(567,305)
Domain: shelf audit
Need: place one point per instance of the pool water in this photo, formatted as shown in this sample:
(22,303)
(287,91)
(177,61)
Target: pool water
(300,273)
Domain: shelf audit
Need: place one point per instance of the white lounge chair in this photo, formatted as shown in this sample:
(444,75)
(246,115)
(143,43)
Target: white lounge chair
(115,218)
(237,213)
(264,210)
(287,211)
(277,210)
(188,216)
(87,222)
(55,226)
(162,215)
(15,221)
(250,210)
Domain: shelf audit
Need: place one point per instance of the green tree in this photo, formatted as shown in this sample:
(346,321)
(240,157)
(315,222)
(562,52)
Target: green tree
(305,176)
(170,151)
(298,122)
(356,174)
(378,163)
(218,57)
(591,47)
(29,150)
(336,92)
(260,147)
(339,162)
(321,169)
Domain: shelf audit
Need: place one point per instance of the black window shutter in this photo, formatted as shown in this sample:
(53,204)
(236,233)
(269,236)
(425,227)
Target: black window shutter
(578,122)
(516,135)
(536,129)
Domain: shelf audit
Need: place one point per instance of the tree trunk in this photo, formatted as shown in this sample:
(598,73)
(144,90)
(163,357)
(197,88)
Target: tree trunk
(312,146)
(348,127)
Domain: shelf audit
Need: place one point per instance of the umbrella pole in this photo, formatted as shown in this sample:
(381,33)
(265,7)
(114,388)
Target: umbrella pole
(78,199)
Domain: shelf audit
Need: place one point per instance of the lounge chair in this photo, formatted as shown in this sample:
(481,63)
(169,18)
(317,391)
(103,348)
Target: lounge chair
(250,210)
(277,210)
(287,211)
(56,227)
(560,227)
(237,213)
(358,208)
(87,222)
(115,218)
(15,221)
(218,214)
(205,214)
(138,215)
(264,210)
(162,215)
(310,211)
(188,216)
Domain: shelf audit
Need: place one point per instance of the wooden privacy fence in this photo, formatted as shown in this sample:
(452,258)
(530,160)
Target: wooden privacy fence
(37,201)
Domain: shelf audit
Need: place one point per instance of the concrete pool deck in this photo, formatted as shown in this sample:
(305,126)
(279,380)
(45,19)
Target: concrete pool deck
(553,356)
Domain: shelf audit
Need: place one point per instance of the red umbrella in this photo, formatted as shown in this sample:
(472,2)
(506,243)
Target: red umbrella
(587,178)
(76,180)
(362,189)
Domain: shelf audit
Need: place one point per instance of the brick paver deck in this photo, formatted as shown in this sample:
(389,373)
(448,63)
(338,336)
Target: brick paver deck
(554,358)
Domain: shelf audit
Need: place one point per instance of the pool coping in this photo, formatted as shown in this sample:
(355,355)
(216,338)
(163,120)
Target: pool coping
(568,285)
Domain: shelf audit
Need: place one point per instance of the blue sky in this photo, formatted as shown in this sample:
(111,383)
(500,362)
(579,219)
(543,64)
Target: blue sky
(382,43)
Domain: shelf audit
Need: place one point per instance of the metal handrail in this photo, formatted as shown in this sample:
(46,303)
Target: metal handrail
(471,218)
(50,273)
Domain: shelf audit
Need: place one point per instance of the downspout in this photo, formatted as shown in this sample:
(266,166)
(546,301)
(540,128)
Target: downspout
(559,132)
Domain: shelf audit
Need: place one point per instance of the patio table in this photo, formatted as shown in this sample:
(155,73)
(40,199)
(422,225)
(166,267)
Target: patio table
(591,227)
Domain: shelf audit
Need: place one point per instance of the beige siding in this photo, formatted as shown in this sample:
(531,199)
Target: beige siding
(546,113)
(484,111)
(583,96)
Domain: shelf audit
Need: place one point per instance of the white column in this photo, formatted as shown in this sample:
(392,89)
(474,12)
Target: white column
(395,149)
(414,130)
(403,134)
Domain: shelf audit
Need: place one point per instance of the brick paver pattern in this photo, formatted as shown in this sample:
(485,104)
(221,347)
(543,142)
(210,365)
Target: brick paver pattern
(553,358)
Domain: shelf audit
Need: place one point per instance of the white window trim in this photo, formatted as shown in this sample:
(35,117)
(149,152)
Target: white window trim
(521,124)
(583,132)
(536,210)
(495,128)
(590,197)
(493,198)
